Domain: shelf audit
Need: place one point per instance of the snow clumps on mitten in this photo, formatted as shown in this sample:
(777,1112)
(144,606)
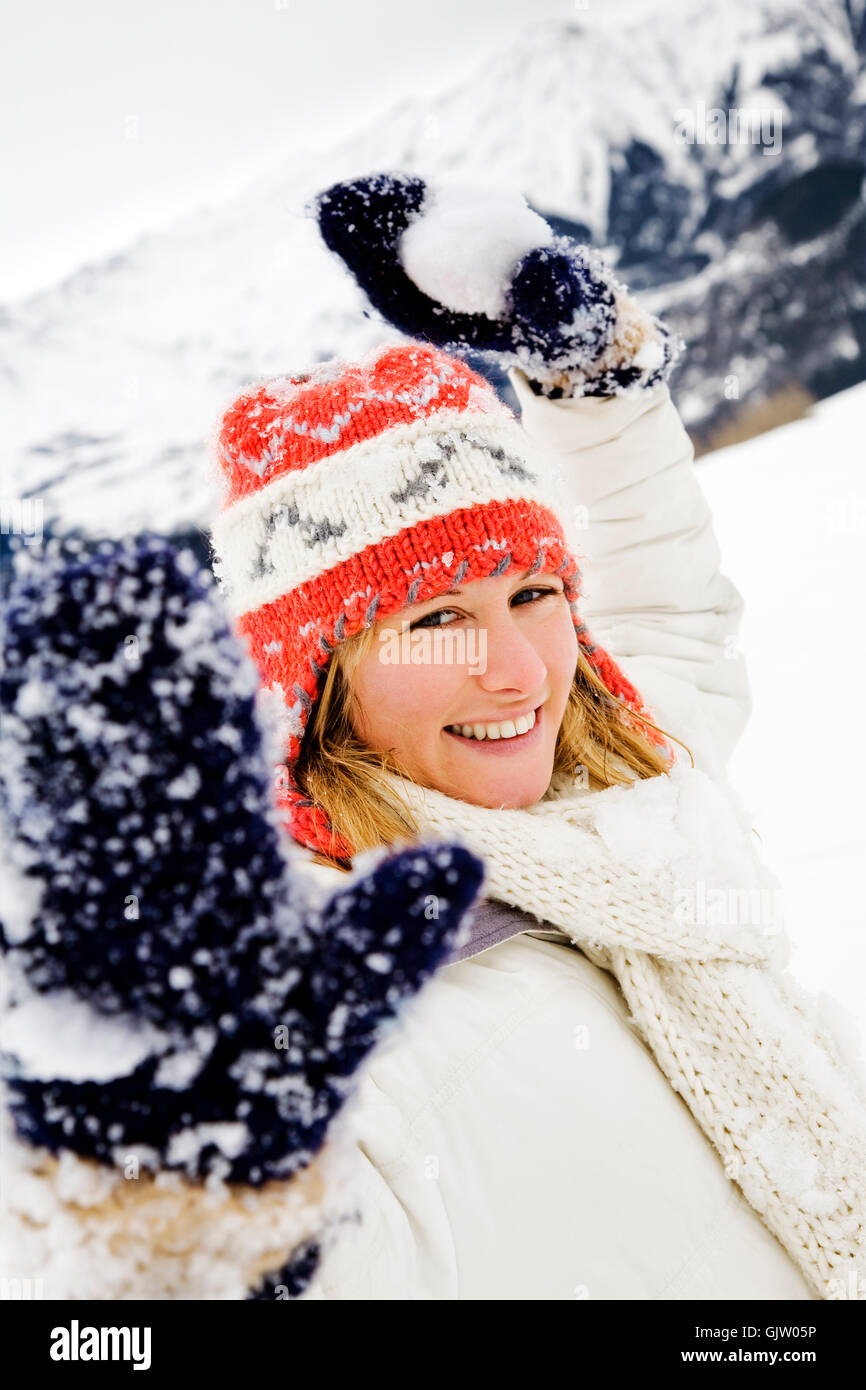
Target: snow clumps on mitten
(181,1023)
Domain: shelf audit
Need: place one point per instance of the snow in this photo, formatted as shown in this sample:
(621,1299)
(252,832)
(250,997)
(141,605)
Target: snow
(379,961)
(185,785)
(90,723)
(34,699)
(251,297)
(447,249)
(116,385)
(789,509)
(85,1184)
(20,898)
(60,1036)
(700,837)
(649,356)
(786,1153)
(229,1137)
(177,1070)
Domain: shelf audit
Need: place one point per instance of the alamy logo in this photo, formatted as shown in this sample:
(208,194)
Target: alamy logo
(436,646)
(22,516)
(737,126)
(76,1343)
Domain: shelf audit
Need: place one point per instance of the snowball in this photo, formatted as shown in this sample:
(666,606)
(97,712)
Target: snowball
(463,246)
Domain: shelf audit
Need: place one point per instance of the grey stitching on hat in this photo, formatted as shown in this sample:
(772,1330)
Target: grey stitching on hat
(325,644)
(413,589)
(432,471)
(340,627)
(322,531)
(423,481)
(461,570)
(538,561)
(284,514)
(504,564)
(509,464)
(303,697)
(369,615)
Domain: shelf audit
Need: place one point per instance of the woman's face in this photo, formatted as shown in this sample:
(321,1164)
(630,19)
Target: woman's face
(485,655)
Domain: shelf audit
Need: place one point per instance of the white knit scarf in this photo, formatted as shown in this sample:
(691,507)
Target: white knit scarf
(660,884)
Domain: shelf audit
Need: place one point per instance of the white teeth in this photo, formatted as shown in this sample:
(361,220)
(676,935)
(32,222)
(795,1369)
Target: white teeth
(507,729)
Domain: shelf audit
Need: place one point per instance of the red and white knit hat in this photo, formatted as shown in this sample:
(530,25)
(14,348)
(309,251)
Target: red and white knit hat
(361,487)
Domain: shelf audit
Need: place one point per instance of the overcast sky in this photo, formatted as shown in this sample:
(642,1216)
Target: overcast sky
(118,117)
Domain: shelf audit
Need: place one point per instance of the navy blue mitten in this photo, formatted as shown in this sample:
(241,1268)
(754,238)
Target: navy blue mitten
(474,269)
(182,1022)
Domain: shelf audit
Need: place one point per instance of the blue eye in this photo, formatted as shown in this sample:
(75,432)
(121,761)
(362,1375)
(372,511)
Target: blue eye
(537,591)
(428,619)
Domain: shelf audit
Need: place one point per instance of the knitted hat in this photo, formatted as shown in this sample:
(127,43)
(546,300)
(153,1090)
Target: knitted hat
(360,487)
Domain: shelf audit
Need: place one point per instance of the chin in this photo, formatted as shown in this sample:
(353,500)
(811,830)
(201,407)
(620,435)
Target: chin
(512,797)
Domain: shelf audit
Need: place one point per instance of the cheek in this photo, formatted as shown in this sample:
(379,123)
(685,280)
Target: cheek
(558,650)
(399,701)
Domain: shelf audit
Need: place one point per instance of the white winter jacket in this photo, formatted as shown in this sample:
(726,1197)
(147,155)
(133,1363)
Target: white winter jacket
(513,1138)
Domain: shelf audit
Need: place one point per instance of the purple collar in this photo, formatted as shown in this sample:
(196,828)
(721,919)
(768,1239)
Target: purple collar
(492,922)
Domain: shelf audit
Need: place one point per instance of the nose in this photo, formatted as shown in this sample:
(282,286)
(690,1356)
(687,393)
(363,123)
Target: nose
(512,663)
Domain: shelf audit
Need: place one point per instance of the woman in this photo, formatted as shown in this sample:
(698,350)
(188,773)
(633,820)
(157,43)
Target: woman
(613,1090)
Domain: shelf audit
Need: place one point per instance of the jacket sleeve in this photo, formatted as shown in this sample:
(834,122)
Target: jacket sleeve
(653,593)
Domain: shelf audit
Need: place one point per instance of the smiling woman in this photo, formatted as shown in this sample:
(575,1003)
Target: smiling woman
(397,500)
(423,717)
(375,716)
(398,494)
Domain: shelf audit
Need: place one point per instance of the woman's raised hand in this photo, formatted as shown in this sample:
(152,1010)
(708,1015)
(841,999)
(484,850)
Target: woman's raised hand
(471,268)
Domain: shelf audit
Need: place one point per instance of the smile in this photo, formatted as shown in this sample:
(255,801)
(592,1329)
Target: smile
(514,732)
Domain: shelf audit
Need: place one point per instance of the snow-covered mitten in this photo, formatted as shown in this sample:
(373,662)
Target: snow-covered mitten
(182,1022)
(470,268)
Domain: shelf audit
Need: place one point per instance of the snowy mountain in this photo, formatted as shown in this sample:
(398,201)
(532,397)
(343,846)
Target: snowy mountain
(114,378)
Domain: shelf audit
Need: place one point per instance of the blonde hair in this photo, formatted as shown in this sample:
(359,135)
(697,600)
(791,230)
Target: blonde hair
(338,772)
